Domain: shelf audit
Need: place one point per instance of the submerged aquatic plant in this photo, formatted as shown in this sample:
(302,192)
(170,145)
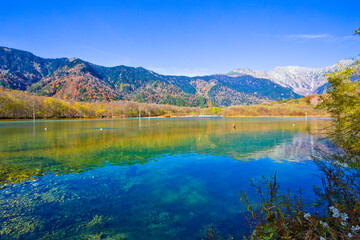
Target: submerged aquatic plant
(96,220)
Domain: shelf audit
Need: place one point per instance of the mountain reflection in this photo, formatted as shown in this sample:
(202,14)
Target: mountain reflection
(27,150)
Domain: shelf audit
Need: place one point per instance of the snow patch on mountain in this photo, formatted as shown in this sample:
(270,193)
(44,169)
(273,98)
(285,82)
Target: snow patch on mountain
(302,80)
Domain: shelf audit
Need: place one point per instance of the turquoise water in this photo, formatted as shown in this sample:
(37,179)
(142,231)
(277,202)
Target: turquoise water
(145,178)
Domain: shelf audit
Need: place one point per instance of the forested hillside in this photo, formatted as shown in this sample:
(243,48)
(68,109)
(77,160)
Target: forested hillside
(82,81)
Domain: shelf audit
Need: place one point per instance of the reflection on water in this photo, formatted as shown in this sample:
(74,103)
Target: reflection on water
(143,179)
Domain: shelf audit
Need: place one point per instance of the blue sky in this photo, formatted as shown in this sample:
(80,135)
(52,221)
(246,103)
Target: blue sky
(185,37)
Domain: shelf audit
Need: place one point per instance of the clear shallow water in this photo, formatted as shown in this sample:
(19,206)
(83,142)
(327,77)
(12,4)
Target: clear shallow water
(144,179)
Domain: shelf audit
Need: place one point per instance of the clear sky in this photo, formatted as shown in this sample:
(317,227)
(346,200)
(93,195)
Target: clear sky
(185,37)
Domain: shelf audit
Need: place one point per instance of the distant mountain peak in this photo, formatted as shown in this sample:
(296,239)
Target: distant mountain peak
(302,80)
(248,71)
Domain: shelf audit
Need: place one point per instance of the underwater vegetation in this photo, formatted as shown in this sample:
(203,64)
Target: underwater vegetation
(162,179)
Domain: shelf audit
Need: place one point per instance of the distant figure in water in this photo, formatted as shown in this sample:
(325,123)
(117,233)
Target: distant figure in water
(101,129)
(46,129)
(234,126)
(293,125)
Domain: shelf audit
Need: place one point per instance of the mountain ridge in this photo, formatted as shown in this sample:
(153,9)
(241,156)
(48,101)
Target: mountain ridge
(302,80)
(74,78)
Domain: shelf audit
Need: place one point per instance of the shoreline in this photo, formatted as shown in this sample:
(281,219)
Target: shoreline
(157,117)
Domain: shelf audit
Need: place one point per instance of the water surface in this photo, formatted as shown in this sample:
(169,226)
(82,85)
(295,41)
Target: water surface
(145,178)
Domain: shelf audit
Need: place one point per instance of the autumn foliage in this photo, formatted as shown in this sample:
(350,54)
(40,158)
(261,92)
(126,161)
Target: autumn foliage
(16,104)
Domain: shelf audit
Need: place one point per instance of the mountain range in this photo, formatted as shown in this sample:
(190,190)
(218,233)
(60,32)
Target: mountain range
(76,79)
(302,80)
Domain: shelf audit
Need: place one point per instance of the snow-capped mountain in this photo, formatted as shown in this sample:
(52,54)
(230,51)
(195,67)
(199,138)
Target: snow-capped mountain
(302,80)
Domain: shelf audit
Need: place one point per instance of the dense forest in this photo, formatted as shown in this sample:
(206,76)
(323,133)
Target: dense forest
(16,104)
(302,107)
(22,105)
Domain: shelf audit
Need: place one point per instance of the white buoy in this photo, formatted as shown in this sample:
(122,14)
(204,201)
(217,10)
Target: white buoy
(46,129)
(101,129)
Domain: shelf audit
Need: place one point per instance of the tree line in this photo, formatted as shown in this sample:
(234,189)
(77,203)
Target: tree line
(16,104)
